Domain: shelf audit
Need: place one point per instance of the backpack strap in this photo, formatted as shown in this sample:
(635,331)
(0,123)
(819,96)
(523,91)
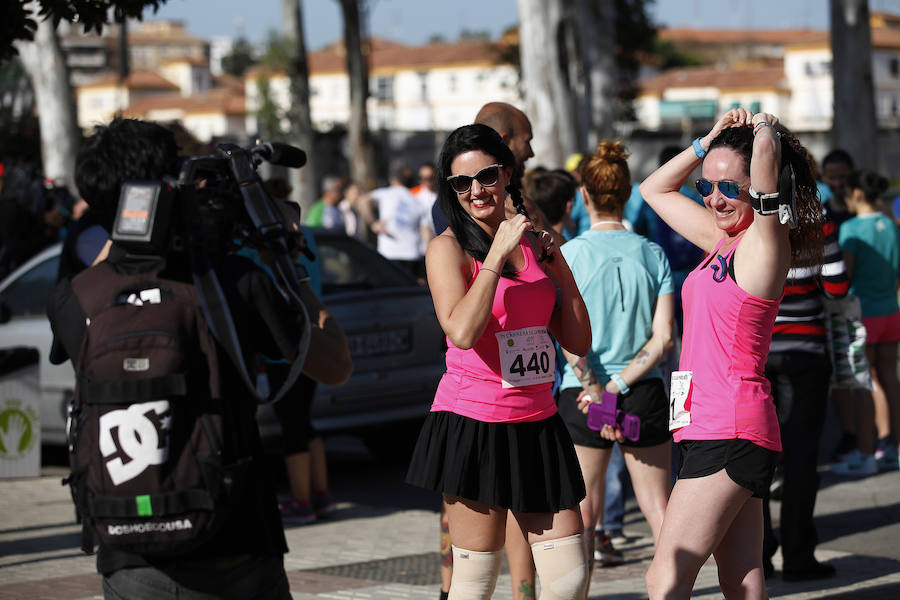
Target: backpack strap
(218,318)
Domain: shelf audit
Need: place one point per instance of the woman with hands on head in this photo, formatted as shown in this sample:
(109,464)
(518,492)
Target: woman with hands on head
(756,184)
(493,441)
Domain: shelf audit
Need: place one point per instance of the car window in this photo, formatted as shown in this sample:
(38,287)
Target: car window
(27,296)
(348,265)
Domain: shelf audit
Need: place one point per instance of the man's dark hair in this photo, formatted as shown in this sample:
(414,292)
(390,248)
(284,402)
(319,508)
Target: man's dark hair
(124,150)
(838,156)
(550,191)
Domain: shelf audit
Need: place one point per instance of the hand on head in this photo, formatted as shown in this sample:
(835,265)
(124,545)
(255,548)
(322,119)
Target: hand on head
(741,117)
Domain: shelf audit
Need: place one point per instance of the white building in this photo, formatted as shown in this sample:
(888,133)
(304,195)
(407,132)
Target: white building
(437,87)
(797,86)
(103,98)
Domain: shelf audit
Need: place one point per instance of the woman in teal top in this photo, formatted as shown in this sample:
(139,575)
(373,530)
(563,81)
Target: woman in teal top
(871,245)
(626,284)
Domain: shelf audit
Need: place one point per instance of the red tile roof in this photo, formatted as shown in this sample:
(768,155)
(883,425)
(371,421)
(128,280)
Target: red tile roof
(216,100)
(882,37)
(137,79)
(780,37)
(724,79)
(388,55)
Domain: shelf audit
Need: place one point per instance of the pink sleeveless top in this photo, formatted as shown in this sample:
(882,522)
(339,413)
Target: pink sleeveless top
(726,342)
(472,386)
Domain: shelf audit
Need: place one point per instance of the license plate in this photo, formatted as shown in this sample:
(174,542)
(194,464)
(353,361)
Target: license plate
(379,343)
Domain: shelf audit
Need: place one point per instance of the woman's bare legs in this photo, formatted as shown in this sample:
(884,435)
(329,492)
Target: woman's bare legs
(738,556)
(521,563)
(593,462)
(651,477)
(475,525)
(884,361)
(698,516)
(446,550)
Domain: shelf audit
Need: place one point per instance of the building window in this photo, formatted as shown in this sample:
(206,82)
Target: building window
(451,83)
(423,85)
(384,89)
(894,66)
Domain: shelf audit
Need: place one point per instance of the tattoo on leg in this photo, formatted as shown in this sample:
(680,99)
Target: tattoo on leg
(527,590)
(446,548)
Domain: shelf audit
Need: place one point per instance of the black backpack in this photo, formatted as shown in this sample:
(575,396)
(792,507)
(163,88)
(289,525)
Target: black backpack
(149,473)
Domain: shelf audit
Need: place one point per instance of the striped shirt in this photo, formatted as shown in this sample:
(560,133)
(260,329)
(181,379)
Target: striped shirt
(800,324)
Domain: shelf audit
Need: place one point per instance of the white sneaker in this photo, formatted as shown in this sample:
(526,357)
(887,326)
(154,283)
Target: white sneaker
(857,465)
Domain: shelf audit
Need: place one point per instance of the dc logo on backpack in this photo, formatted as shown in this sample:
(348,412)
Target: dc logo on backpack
(143,440)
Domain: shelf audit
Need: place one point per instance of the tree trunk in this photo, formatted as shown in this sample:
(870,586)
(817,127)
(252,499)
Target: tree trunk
(854,127)
(549,102)
(43,61)
(301,134)
(361,161)
(596,22)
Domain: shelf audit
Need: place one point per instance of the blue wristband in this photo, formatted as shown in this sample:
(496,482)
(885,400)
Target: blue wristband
(623,387)
(698,149)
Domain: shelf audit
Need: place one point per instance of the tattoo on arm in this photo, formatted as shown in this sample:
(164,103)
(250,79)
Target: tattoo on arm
(584,373)
(642,357)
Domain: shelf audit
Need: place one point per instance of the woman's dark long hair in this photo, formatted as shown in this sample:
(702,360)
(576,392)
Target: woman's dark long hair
(472,238)
(807,249)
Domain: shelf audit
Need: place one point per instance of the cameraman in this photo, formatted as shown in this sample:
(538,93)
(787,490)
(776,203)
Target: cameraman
(244,559)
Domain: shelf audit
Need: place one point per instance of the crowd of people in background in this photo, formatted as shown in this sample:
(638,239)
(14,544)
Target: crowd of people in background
(637,268)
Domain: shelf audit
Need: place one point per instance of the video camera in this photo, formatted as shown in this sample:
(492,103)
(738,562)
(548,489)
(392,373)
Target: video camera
(217,205)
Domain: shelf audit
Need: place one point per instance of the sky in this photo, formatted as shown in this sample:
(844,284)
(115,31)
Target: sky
(415,21)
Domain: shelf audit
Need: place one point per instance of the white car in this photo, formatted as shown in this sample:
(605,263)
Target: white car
(395,340)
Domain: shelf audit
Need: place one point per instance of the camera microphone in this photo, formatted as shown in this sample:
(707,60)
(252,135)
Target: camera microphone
(280,154)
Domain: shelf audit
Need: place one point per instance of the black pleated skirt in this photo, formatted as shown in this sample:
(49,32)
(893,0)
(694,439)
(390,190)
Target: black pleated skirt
(528,467)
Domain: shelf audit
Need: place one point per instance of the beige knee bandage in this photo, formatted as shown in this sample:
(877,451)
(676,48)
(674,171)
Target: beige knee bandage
(474,574)
(561,568)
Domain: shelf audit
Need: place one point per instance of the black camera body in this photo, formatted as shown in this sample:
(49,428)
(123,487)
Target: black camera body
(216,205)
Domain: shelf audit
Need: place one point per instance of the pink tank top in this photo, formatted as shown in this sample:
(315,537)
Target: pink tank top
(726,342)
(472,386)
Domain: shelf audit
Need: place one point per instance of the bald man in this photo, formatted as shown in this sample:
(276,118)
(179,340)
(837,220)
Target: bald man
(513,126)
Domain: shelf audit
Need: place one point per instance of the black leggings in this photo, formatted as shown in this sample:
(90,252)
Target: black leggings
(294,410)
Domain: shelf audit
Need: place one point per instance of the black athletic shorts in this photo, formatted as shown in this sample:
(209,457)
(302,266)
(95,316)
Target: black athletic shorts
(646,399)
(747,464)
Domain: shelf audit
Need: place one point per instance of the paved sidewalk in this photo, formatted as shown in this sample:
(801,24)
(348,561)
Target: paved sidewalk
(379,552)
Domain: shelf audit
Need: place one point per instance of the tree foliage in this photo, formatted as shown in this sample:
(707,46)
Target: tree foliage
(19,18)
(239,59)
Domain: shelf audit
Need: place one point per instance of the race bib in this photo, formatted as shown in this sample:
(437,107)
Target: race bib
(527,357)
(679,391)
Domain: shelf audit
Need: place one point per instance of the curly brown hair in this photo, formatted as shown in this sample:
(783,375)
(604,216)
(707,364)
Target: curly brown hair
(606,177)
(807,239)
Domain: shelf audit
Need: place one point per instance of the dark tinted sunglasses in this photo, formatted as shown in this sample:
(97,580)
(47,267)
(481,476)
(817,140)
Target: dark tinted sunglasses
(486,177)
(729,189)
